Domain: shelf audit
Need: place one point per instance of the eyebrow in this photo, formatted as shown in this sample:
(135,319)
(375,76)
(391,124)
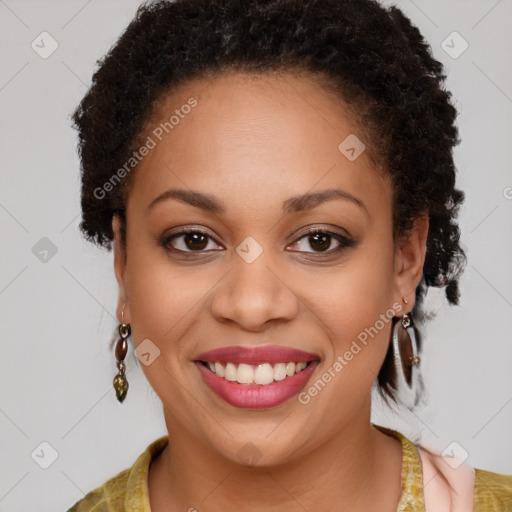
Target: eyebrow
(294,204)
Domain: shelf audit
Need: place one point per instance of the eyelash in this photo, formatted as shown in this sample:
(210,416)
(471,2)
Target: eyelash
(344,242)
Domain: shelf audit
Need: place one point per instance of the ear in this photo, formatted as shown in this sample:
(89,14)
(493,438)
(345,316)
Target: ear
(409,260)
(120,271)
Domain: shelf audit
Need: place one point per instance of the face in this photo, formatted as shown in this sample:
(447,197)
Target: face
(258,164)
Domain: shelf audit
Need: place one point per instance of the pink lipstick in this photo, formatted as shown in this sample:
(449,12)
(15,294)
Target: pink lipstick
(256,377)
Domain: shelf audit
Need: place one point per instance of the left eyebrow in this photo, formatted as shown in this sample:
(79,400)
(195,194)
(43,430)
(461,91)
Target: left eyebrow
(314,199)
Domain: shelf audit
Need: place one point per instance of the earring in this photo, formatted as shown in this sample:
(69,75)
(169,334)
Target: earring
(120,382)
(405,352)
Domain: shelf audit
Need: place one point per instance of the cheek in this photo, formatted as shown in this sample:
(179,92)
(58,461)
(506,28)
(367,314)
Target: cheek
(355,306)
(164,303)
(162,297)
(356,314)
(356,294)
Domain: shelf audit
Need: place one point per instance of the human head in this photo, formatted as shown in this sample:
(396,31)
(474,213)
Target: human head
(372,58)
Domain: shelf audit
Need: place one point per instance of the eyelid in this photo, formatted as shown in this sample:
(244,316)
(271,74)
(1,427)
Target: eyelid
(345,241)
(324,228)
(184,230)
(306,229)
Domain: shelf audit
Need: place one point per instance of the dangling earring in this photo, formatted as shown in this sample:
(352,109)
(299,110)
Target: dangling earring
(405,352)
(120,382)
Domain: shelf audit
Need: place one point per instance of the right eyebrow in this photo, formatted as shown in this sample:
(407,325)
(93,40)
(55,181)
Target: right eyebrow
(200,200)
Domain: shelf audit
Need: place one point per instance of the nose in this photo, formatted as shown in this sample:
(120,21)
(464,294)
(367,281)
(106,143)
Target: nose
(254,295)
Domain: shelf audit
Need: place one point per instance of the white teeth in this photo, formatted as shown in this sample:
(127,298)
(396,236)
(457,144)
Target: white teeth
(279,371)
(230,372)
(261,374)
(264,374)
(290,369)
(219,369)
(244,374)
(300,366)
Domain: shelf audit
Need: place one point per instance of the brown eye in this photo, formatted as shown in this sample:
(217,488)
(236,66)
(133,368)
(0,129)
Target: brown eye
(196,241)
(321,241)
(190,240)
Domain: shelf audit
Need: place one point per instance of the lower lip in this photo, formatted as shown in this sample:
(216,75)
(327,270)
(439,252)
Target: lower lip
(256,396)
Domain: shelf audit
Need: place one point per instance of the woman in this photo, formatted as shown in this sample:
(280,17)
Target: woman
(276,179)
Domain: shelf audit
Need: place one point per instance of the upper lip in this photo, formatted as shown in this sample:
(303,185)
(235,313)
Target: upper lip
(257,355)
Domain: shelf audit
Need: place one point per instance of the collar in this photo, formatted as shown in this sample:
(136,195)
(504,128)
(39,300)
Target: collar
(412,498)
(445,487)
(137,493)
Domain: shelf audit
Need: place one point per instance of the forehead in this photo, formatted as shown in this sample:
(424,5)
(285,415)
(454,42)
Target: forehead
(255,140)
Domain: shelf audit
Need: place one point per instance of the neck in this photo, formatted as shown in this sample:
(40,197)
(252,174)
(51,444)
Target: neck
(350,469)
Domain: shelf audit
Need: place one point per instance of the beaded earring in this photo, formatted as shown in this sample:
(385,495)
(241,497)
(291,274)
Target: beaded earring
(120,382)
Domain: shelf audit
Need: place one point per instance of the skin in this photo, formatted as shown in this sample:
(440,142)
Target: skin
(254,142)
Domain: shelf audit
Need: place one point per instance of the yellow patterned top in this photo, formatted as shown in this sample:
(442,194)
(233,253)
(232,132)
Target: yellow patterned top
(128,490)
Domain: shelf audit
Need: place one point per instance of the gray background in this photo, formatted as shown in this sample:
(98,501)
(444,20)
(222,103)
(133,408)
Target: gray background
(57,311)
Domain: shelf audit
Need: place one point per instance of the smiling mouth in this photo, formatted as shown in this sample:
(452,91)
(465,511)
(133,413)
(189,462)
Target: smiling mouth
(261,374)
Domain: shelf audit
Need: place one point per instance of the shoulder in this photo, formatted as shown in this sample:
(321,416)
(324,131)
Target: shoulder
(493,491)
(449,483)
(443,482)
(464,487)
(107,497)
(129,487)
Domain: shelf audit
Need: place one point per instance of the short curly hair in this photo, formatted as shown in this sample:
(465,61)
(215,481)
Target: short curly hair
(372,57)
